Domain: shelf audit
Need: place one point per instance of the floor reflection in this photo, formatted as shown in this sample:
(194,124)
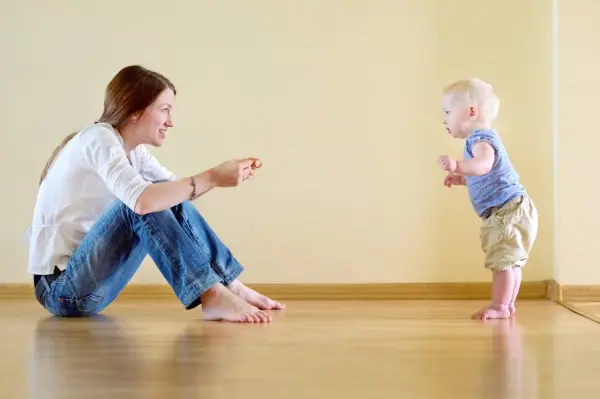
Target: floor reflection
(508,374)
(92,356)
(99,356)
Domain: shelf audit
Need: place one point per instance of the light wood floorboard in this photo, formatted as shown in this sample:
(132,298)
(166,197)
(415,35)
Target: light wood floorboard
(315,349)
(590,310)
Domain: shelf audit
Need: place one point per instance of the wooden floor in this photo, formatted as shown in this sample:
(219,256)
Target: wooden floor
(588,309)
(402,349)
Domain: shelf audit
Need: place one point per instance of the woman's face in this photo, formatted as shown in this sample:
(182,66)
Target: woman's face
(153,125)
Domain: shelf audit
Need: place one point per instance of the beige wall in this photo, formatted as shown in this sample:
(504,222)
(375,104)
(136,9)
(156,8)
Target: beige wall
(342,94)
(577,261)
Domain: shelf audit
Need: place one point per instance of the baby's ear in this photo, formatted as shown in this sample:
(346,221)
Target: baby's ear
(473,112)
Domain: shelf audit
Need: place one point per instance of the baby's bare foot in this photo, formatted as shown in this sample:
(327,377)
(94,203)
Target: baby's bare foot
(218,303)
(492,312)
(253,297)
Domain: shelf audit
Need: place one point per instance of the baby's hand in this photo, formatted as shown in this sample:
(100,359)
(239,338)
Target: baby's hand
(447,163)
(453,180)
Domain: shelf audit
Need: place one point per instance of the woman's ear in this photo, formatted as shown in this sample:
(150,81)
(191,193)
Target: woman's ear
(135,117)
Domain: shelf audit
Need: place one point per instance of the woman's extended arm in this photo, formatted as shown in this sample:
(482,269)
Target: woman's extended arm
(160,196)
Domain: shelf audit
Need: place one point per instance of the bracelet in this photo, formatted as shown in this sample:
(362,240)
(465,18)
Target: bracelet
(194,194)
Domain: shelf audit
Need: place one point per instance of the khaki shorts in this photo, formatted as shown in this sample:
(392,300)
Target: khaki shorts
(508,234)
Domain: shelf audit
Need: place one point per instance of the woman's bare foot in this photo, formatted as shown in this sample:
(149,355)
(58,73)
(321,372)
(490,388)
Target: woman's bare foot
(218,303)
(492,312)
(253,297)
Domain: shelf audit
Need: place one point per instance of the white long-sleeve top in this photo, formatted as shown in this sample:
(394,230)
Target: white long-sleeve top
(90,172)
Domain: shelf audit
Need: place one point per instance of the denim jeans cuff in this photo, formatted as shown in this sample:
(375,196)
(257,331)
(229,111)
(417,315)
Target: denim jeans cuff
(234,274)
(192,297)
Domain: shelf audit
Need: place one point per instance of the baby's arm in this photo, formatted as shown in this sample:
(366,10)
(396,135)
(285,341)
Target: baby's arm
(480,164)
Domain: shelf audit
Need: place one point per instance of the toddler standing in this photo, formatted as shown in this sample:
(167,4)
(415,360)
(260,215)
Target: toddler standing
(509,216)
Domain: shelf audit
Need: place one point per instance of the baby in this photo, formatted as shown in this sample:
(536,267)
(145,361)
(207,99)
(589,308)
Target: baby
(509,217)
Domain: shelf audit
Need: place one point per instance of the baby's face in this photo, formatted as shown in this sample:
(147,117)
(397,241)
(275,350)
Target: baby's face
(456,117)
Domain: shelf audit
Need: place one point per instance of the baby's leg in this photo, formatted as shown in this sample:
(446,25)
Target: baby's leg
(502,291)
(507,237)
(518,273)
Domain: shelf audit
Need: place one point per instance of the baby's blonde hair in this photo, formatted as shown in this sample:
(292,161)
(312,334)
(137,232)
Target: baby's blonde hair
(476,92)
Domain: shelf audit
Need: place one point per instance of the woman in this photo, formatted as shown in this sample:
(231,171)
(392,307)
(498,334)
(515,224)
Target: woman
(105,202)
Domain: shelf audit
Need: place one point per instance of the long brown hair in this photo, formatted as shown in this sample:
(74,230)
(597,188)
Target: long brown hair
(130,91)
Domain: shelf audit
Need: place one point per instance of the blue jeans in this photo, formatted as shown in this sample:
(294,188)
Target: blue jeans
(186,250)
